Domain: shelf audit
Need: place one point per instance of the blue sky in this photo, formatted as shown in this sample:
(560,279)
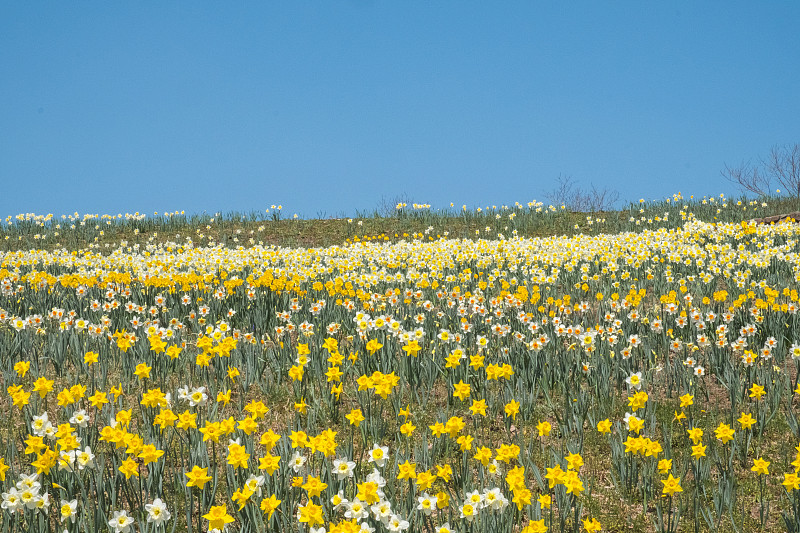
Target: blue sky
(330,107)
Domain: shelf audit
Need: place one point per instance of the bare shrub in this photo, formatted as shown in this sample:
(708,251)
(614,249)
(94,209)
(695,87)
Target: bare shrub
(569,194)
(781,165)
(748,177)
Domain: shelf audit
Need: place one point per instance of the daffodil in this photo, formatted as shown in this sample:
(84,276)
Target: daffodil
(671,486)
(218,517)
(760,466)
(198,477)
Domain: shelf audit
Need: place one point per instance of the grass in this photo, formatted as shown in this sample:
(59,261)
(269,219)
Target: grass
(102,232)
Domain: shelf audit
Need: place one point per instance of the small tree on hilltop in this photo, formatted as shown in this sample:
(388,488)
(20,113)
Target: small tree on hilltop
(781,165)
(570,195)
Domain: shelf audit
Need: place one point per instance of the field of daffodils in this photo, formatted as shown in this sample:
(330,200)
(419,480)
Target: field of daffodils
(637,380)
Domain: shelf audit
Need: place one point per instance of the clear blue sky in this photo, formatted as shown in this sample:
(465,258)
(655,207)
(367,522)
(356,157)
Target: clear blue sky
(328,107)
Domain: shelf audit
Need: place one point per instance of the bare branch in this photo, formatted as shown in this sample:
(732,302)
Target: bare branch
(601,199)
(563,193)
(568,194)
(748,178)
(783,164)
